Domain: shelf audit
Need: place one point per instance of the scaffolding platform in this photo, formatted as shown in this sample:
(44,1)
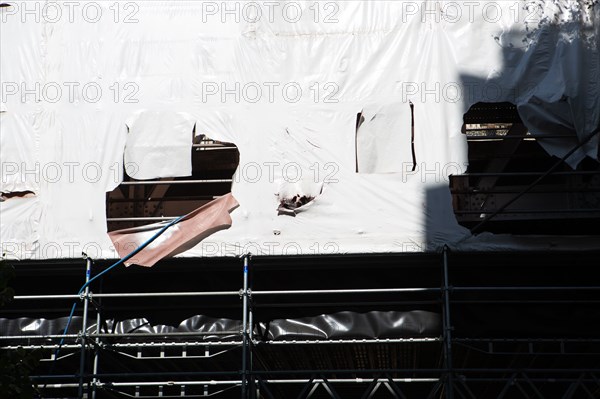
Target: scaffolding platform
(510,325)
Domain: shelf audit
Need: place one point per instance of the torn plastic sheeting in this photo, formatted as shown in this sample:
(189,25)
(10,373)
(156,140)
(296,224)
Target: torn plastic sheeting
(16,194)
(159,144)
(377,53)
(189,231)
(298,197)
(556,105)
(352,325)
(383,139)
(542,118)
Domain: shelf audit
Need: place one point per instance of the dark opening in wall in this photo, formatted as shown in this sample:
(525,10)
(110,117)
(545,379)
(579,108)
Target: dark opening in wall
(499,192)
(138,202)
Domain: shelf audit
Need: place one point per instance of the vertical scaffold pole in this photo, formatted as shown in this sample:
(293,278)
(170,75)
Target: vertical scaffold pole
(447,330)
(96,352)
(245,342)
(95,369)
(83,333)
(252,387)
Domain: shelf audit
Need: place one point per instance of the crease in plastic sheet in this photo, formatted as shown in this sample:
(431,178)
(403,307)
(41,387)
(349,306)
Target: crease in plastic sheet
(18,153)
(349,325)
(374,55)
(28,211)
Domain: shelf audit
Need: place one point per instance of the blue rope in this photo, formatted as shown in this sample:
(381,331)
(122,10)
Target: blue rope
(119,262)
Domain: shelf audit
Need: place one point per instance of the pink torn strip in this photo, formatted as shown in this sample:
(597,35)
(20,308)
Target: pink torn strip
(192,229)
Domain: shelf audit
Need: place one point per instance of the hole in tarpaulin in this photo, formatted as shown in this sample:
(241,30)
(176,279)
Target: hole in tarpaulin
(412,136)
(291,206)
(359,121)
(497,194)
(134,203)
(16,194)
(298,197)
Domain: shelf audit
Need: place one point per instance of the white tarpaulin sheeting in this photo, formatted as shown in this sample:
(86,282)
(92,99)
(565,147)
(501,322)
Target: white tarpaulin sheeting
(284,82)
(159,144)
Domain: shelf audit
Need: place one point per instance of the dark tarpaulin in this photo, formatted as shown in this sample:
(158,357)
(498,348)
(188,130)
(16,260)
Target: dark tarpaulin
(348,325)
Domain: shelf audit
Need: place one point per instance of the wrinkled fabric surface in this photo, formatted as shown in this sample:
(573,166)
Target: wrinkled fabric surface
(340,325)
(354,325)
(284,83)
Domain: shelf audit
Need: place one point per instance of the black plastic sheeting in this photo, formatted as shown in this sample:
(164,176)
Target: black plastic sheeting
(342,325)
(202,325)
(351,325)
(28,326)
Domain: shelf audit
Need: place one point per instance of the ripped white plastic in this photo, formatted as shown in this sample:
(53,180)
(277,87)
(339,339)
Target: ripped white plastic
(284,82)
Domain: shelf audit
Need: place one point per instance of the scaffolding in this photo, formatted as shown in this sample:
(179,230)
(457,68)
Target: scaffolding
(239,363)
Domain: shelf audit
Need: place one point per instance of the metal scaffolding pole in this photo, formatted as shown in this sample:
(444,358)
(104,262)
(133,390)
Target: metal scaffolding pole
(245,339)
(306,292)
(86,298)
(447,330)
(131,295)
(407,373)
(250,347)
(346,291)
(194,344)
(98,342)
